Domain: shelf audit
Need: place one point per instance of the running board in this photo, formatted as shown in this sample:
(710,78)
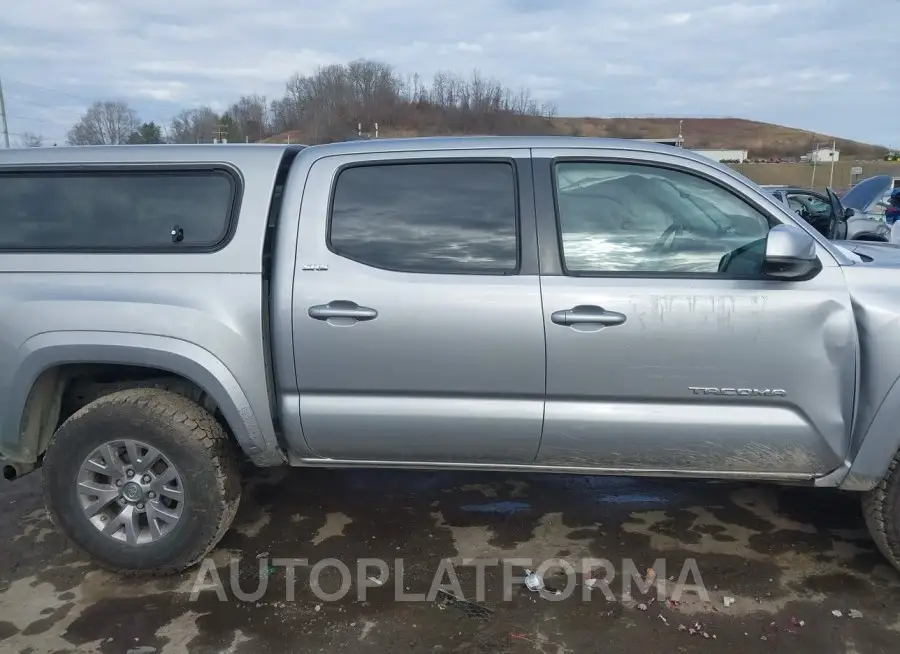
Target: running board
(576,470)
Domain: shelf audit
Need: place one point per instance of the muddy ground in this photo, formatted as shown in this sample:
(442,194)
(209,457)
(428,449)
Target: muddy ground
(788,557)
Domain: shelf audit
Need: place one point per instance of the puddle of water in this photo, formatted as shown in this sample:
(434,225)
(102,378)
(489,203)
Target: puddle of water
(405,480)
(506,508)
(632,498)
(630,490)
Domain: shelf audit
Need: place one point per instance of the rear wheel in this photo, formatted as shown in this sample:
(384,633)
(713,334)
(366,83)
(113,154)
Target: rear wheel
(881,507)
(143,480)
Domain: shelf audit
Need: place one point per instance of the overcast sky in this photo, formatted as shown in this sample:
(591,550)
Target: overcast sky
(823,65)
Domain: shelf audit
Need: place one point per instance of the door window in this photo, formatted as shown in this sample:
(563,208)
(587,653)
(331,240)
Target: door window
(818,211)
(631,218)
(444,217)
(811,204)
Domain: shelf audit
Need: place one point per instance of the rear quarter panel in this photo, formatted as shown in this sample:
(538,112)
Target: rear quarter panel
(201,315)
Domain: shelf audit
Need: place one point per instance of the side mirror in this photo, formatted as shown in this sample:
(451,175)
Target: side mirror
(790,254)
(849,213)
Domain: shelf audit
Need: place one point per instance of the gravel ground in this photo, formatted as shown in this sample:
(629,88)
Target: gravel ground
(775,563)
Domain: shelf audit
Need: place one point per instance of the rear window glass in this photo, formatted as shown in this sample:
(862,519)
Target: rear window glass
(115,210)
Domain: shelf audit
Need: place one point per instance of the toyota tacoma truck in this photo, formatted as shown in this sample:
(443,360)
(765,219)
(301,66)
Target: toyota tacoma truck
(493,303)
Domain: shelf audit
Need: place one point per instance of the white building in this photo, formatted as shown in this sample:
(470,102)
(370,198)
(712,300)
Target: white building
(739,156)
(823,155)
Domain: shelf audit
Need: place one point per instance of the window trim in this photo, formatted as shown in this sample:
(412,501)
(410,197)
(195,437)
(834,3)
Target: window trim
(566,272)
(511,162)
(231,173)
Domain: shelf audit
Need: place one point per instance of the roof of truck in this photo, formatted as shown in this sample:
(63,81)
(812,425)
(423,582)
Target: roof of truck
(236,151)
(144,153)
(499,142)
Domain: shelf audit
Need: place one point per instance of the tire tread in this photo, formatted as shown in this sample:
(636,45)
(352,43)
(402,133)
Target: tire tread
(880,509)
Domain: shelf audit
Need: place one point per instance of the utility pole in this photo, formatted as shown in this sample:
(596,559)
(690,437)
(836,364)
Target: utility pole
(831,179)
(220,132)
(3,118)
(815,156)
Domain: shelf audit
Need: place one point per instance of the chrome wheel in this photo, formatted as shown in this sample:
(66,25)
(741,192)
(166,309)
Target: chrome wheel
(130,492)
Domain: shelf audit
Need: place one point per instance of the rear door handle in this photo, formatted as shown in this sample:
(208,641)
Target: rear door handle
(341,309)
(587,314)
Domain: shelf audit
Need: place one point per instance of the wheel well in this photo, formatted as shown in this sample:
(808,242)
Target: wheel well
(62,390)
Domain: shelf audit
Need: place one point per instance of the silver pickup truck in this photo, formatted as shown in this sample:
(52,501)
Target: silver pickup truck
(543,304)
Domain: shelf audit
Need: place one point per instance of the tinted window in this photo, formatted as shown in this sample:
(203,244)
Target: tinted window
(122,211)
(642,219)
(427,217)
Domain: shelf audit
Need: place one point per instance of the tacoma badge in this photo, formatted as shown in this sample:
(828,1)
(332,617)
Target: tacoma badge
(742,392)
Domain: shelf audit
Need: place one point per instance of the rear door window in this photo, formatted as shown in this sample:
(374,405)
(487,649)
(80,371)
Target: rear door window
(435,217)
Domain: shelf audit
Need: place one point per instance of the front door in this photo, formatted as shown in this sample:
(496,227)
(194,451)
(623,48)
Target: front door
(418,333)
(839,215)
(662,356)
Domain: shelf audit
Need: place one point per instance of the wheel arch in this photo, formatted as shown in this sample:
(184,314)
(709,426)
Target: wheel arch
(877,448)
(38,384)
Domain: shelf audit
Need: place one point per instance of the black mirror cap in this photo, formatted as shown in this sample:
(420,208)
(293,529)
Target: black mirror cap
(791,270)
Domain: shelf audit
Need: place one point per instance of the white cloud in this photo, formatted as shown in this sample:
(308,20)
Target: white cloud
(676,19)
(807,63)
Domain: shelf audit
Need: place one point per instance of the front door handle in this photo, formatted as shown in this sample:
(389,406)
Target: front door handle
(587,314)
(341,309)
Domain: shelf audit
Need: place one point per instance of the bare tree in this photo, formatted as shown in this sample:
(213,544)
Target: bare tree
(194,126)
(548,110)
(31,140)
(251,118)
(110,122)
(328,104)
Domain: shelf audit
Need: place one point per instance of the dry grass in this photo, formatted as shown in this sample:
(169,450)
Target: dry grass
(762,140)
(802,174)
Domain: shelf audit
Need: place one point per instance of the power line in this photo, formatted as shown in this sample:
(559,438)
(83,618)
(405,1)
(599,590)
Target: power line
(34,103)
(33,120)
(49,90)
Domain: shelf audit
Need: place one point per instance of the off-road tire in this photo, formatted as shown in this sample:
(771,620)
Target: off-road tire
(196,444)
(881,508)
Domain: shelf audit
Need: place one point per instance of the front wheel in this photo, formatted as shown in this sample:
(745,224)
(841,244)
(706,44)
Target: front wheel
(143,480)
(881,507)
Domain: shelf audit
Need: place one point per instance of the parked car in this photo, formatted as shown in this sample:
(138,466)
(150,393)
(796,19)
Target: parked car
(870,196)
(510,304)
(832,216)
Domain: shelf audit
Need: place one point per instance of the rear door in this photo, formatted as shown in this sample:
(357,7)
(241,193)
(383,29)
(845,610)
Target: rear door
(658,359)
(418,333)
